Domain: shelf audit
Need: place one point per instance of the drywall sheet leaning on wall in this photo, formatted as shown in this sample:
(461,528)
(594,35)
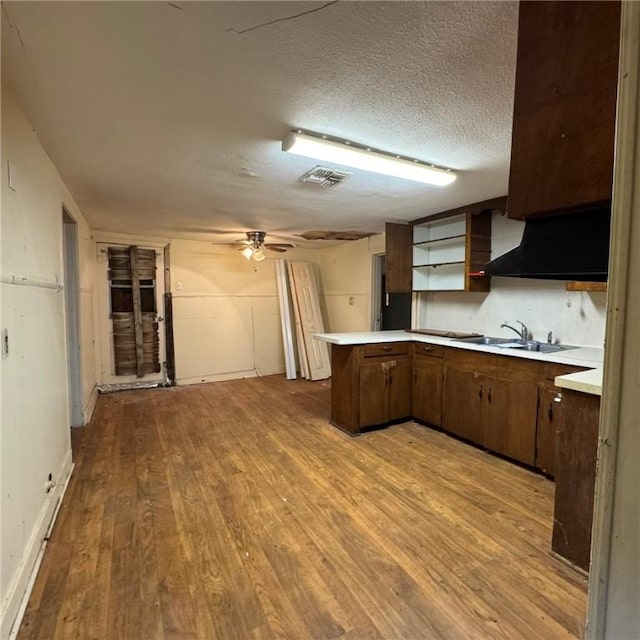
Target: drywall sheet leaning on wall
(302,349)
(306,294)
(282,279)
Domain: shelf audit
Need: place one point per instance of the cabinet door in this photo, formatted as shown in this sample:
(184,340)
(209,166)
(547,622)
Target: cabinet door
(463,396)
(509,418)
(564,106)
(549,419)
(575,477)
(426,395)
(399,389)
(373,400)
(398,257)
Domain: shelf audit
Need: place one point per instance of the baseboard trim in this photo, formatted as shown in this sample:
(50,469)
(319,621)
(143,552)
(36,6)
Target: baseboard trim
(15,603)
(234,375)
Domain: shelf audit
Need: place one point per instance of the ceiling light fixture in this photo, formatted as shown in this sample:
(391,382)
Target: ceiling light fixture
(255,247)
(350,154)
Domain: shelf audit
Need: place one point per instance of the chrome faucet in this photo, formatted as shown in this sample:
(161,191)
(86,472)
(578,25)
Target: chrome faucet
(523,333)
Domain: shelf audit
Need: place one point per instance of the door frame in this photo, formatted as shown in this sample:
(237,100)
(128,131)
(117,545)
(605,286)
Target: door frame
(71,272)
(107,365)
(377,260)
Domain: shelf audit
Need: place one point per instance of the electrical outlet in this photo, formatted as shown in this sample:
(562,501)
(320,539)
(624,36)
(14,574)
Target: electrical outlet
(5,343)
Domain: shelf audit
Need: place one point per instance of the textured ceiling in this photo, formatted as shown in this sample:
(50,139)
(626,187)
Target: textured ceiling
(166,119)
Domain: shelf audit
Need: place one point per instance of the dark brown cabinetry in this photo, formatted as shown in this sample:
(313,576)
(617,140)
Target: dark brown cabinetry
(398,241)
(575,477)
(509,418)
(496,412)
(426,393)
(462,403)
(549,417)
(371,385)
(547,430)
(564,106)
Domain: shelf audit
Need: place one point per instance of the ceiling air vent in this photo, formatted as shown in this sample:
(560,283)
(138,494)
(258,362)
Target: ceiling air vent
(324,176)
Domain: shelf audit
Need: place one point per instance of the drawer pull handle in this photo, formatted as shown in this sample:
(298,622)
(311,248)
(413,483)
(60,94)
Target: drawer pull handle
(550,412)
(480,392)
(427,348)
(386,348)
(489,396)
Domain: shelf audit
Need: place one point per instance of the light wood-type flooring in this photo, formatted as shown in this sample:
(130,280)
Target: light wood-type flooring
(234,510)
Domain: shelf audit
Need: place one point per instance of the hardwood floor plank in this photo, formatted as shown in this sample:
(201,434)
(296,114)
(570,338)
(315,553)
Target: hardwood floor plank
(235,510)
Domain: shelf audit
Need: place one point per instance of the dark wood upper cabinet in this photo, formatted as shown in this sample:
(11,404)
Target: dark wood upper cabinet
(564,106)
(398,248)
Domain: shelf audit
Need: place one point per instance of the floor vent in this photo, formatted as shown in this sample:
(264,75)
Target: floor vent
(324,176)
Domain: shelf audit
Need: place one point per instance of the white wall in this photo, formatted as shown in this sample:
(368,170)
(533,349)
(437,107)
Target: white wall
(35,438)
(543,305)
(347,283)
(226,316)
(225,309)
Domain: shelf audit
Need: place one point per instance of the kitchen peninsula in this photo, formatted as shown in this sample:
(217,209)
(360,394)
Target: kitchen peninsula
(539,409)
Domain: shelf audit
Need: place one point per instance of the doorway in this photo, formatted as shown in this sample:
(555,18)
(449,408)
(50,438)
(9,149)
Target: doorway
(391,311)
(72,313)
(132,331)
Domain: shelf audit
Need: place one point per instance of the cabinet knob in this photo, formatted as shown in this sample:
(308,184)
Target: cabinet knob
(558,397)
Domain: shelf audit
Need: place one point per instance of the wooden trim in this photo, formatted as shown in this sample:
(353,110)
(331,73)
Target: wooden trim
(616,482)
(577,285)
(474,209)
(137,310)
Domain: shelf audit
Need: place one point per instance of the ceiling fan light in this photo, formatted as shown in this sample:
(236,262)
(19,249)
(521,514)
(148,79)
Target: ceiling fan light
(351,155)
(247,252)
(258,254)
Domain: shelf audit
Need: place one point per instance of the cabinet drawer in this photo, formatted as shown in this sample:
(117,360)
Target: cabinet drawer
(386,349)
(429,350)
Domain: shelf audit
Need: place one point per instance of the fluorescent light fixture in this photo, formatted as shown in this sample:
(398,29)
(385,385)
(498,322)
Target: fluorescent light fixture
(352,155)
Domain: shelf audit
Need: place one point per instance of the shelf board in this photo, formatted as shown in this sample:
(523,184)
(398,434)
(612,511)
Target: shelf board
(576,285)
(441,241)
(434,265)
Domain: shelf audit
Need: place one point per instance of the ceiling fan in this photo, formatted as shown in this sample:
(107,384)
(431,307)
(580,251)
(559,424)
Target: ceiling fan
(255,246)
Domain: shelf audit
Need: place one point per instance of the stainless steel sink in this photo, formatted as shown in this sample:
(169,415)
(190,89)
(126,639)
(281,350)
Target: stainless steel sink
(525,345)
(543,347)
(485,340)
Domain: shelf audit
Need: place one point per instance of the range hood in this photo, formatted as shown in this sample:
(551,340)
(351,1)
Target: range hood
(571,246)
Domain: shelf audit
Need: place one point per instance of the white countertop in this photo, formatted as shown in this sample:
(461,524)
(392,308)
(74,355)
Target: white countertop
(578,357)
(589,381)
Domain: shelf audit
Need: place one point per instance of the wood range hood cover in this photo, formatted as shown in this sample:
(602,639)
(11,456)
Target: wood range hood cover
(572,246)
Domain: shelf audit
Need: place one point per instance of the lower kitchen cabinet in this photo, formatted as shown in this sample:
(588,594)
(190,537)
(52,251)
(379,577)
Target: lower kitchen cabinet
(426,392)
(495,413)
(371,385)
(575,476)
(463,396)
(384,391)
(509,418)
(549,418)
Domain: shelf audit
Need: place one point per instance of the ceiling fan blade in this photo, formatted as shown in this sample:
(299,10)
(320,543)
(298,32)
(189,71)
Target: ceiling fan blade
(272,247)
(282,245)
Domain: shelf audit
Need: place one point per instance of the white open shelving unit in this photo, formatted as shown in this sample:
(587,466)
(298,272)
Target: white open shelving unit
(439,254)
